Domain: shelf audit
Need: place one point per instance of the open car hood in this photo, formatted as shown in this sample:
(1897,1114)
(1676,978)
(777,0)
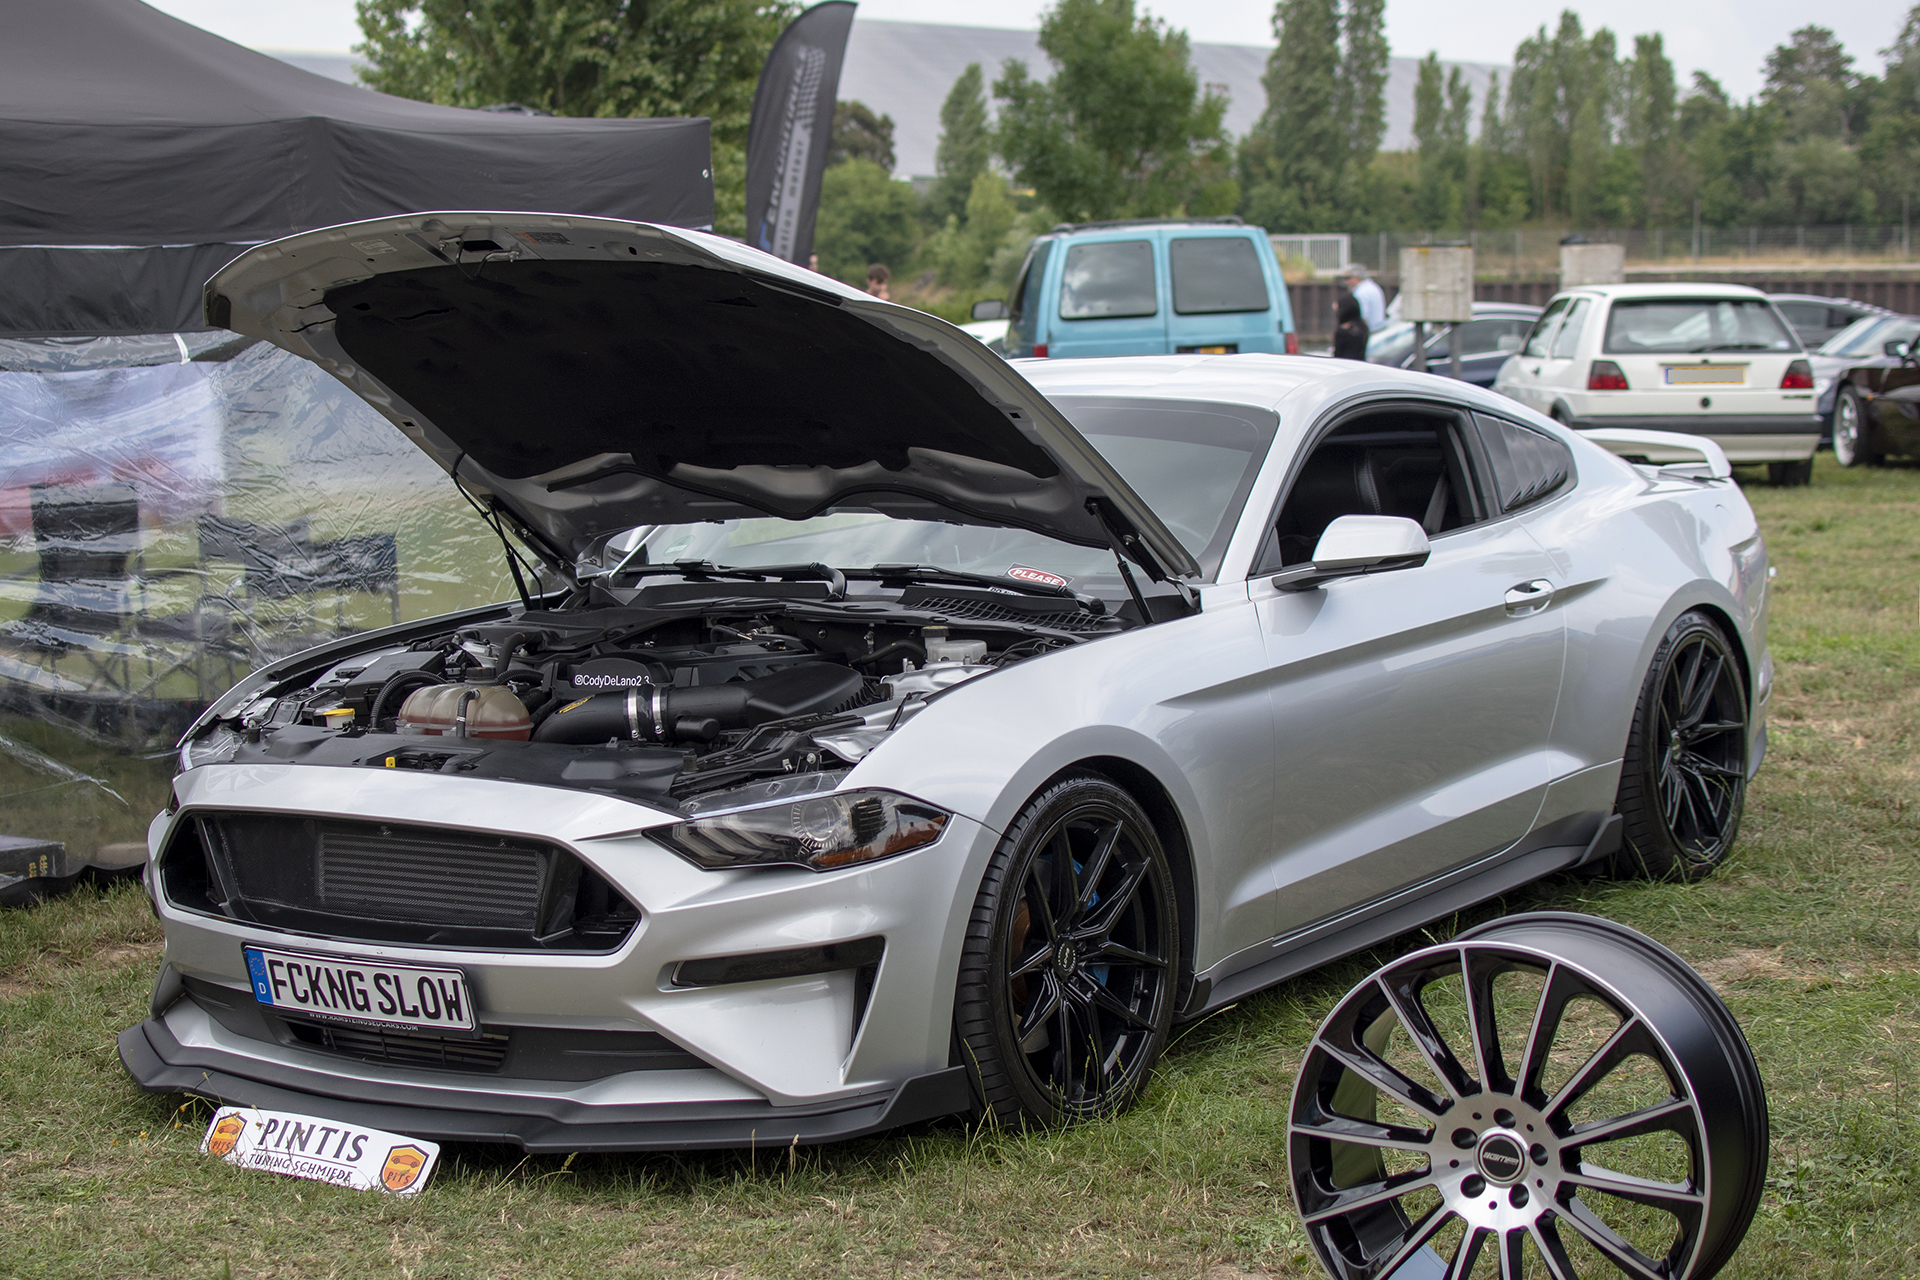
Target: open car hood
(588,375)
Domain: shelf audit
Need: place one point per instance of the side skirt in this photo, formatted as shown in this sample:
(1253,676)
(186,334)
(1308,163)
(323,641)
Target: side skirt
(1576,840)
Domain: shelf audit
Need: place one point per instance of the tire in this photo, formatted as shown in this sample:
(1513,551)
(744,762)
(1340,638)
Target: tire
(1850,432)
(1683,781)
(1790,474)
(1098,973)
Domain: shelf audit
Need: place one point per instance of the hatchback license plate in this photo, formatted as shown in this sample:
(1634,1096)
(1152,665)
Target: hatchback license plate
(1696,375)
(367,992)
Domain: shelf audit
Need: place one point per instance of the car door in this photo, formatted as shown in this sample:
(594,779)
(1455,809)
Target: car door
(1896,407)
(1485,345)
(1412,709)
(1563,369)
(1111,301)
(1520,379)
(1222,303)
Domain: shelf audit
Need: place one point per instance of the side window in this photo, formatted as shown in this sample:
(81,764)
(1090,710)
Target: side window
(1526,465)
(1804,315)
(1539,342)
(1396,462)
(1216,274)
(1108,280)
(1024,313)
(1566,343)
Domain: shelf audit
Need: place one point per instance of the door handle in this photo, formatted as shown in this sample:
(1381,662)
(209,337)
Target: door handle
(1529,597)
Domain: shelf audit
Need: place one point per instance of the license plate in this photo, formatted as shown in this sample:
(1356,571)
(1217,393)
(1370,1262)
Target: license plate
(367,992)
(1696,375)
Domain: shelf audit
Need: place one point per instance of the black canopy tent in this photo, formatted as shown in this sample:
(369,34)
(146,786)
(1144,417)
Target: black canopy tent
(139,153)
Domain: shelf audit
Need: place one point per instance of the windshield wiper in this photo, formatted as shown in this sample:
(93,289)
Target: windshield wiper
(959,578)
(1730,346)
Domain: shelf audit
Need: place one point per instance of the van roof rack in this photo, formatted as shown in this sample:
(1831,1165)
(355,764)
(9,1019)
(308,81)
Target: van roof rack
(1224,220)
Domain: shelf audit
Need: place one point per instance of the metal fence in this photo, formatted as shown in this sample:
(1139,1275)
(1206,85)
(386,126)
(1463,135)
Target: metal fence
(1536,252)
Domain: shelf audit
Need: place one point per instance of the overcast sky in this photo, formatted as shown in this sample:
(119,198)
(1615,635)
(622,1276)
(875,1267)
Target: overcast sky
(1728,39)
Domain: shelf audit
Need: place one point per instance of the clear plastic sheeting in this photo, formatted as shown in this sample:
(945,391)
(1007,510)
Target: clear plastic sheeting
(166,526)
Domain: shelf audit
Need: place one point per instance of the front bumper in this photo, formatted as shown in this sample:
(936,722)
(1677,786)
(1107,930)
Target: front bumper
(160,1063)
(1771,437)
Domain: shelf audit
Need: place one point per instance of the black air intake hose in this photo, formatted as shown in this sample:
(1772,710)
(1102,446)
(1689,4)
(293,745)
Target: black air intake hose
(665,713)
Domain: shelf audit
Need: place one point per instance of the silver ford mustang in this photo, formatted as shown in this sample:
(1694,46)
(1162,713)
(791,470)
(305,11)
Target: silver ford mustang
(912,732)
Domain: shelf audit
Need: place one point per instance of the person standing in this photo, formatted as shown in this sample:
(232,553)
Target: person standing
(1373,302)
(1349,330)
(878,277)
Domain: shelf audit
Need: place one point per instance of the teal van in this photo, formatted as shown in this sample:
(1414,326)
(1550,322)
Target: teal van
(1159,286)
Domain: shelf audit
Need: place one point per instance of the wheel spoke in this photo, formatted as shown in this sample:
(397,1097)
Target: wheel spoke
(1063,891)
(1114,951)
(1114,1005)
(1703,694)
(1426,1038)
(1416,1235)
(1362,1133)
(1682,1201)
(1386,1080)
(1347,1199)
(1033,1024)
(1038,907)
(1477,981)
(1032,964)
(1511,1257)
(1089,1027)
(1467,1253)
(1096,866)
(1603,1238)
(1625,1039)
(1101,924)
(1709,728)
(1662,1118)
(1546,1238)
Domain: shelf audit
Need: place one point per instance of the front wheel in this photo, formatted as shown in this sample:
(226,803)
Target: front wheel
(1850,432)
(1683,782)
(1068,972)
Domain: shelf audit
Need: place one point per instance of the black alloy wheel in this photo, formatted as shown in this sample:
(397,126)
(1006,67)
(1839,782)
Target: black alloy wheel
(1850,435)
(1071,959)
(1549,1094)
(1683,782)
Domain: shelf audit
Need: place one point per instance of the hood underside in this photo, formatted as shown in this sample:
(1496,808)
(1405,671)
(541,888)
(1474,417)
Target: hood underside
(592,375)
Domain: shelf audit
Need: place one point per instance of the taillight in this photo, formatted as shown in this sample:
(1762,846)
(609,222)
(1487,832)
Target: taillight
(1605,375)
(1293,344)
(1039,351)
(1799,377)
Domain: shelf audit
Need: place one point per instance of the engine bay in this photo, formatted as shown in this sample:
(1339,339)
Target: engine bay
(678,696)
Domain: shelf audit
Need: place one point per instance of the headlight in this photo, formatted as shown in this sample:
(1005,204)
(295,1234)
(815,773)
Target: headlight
(821,833)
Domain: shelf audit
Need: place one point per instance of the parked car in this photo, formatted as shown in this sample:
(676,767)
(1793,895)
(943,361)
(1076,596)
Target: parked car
(1150,286)
(1864,344)
(912,731)
(1876,409)
(1816,319)
(1711,359)
(1495,333)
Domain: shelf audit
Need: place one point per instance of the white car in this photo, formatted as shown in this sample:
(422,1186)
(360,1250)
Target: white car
(1714,360)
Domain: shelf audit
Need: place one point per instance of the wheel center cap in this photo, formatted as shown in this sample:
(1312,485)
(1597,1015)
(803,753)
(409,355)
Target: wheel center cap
(1501,1160)
(1064,959)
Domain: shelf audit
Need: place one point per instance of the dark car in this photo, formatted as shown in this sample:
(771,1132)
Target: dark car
(1864,344)
(1490,339)
(1816,319)
(1876,406)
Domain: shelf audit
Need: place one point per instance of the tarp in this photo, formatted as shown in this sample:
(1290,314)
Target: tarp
(139,153)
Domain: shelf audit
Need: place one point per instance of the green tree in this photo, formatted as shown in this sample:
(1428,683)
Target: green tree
(1891,150)
(585,58)
(860,133)
(1305,162)
(1650,127)
(1812,84)
(865,217)
(1121,129)
(964,251)
(1441,110)
(965,145)
(1562,100)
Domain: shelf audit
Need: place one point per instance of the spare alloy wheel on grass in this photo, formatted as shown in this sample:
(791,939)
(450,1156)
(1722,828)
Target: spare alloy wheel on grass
(1549,1084)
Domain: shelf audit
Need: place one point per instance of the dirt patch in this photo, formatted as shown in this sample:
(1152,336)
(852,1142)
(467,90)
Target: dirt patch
(1749,963)
(40,974)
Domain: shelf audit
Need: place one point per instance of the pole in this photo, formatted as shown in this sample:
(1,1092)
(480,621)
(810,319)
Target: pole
(1453,351)
(1420,346)
(1696,228)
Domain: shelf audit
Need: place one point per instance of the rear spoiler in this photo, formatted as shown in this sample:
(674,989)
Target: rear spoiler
(1671,451)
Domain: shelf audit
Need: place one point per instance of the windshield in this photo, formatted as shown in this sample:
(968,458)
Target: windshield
(1867,338)
(1193,463)
(1668,326)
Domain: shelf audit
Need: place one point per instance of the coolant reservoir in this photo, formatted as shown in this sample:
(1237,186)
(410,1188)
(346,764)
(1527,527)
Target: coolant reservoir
(466,711)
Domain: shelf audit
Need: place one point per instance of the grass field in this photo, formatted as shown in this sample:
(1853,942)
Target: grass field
(1810,931)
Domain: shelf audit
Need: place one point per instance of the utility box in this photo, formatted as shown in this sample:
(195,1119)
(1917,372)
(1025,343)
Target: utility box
(1592,264)
(1436,283)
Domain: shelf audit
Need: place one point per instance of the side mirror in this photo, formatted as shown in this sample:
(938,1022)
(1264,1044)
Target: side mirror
(1897,349)
(990,309)
(1355,545)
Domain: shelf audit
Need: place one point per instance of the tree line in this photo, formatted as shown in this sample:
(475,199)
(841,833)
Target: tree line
(1579,133)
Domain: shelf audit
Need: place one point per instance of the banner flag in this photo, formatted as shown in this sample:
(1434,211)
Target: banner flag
(791,130)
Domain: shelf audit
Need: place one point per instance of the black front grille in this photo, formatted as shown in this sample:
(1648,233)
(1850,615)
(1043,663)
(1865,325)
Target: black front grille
(392,882)
(403,1049)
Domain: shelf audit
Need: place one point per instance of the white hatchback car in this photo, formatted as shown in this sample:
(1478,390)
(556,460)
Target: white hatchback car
(1706,359)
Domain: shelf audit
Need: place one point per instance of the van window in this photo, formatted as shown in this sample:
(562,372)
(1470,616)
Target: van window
(1107,280)
(1566,343)
(1216,274)
(1023,315)
(1540,341)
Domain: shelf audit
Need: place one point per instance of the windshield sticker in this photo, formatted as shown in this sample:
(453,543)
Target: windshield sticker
(1021,573)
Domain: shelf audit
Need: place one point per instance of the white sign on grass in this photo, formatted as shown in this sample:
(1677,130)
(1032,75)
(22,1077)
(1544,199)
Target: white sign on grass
(322,1150)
